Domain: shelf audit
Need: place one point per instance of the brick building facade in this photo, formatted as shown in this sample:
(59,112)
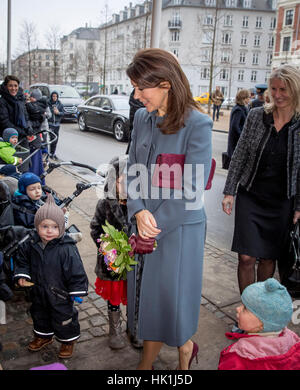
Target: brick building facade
(287,36)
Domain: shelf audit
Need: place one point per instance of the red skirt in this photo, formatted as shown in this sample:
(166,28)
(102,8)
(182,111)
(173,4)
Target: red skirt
(113,291)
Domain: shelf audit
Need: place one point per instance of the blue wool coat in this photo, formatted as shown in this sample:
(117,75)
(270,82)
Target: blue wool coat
(164,304)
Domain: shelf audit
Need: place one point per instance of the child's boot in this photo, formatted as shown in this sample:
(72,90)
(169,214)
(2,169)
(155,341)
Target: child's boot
(116,340)
(38,343)
(66,350)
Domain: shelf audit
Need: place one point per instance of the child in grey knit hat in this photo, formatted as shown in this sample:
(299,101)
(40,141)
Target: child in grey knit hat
(267,343)
(50,263)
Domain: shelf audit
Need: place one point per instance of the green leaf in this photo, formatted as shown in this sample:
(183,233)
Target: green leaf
(119,260)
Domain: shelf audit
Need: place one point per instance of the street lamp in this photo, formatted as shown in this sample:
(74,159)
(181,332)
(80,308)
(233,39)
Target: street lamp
(8,36)
(155,26)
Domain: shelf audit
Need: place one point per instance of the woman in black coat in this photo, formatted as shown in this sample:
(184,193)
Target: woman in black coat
(238,116)
(13,112)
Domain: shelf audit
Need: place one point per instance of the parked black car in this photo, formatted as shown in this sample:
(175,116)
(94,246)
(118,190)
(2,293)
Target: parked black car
(108,113)
(68,96)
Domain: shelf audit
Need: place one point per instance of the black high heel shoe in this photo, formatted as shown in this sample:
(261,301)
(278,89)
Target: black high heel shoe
(194,354)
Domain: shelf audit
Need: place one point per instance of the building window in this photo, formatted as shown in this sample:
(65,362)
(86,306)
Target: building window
(230,3)
(225,56)
(228,20)
(47,63)
(226,38)
(269,59)
(286,44)
(210,3)
(271,42)
(245,22)
(289,17)
(255,59)
(256,40)
(258,22)
(267,75)
(207,37)
(244,39)
(204,73)
(205,55)
(208,20)
(273,23)
(242,57)
(241,74)
(253,75)
(247,3)
(176,21)
(224,74)
(175,51)
(175,36)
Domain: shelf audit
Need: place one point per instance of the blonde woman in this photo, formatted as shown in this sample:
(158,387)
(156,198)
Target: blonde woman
(264,176)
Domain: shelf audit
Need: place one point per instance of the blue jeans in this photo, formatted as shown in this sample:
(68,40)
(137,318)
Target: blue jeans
(216,108)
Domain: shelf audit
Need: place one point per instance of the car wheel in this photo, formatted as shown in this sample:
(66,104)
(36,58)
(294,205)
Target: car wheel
(81,123)
(119,131)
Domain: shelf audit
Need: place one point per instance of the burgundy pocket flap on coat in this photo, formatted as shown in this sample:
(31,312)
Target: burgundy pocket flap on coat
(168,171)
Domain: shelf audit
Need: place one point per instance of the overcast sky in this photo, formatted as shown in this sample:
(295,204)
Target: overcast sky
(67,15)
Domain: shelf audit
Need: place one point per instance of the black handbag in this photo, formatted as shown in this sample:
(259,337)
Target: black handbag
(225,160)
(289,264)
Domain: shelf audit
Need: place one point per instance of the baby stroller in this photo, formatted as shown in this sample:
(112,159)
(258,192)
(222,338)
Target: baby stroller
(289,264)
(9,233)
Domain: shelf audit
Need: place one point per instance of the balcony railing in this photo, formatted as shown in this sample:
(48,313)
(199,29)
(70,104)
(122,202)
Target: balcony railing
(175,24)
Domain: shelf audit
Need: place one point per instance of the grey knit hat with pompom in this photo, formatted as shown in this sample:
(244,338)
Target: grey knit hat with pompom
(50,211)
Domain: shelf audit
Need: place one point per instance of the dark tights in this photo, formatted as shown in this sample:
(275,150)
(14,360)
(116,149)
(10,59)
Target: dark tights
(246,270)
(112,307)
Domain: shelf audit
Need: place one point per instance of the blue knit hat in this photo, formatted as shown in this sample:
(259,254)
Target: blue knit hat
(26,179)
(10,170)
(270,302)
(8,133)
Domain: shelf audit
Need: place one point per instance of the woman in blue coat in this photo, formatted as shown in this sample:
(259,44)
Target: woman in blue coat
(164,290)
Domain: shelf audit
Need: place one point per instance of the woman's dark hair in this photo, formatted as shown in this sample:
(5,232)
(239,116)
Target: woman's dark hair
(151,67)
(9,78)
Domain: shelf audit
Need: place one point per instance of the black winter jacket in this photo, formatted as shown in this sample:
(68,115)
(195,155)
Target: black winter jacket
(238,116)
(134,105)
(56,269)
(25,216)
(24,208)
(8,111)
(56,119)
(116,215)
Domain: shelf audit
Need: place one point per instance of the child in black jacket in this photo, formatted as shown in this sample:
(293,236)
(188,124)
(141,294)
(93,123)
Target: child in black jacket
(51,264)
(113,209)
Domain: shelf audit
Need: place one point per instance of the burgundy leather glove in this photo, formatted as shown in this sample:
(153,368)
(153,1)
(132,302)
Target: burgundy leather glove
(140,245)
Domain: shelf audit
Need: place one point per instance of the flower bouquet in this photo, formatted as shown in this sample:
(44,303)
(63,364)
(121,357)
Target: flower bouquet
(117,252)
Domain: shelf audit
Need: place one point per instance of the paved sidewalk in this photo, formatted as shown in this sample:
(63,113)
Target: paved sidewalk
(217,314)
(223,123)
